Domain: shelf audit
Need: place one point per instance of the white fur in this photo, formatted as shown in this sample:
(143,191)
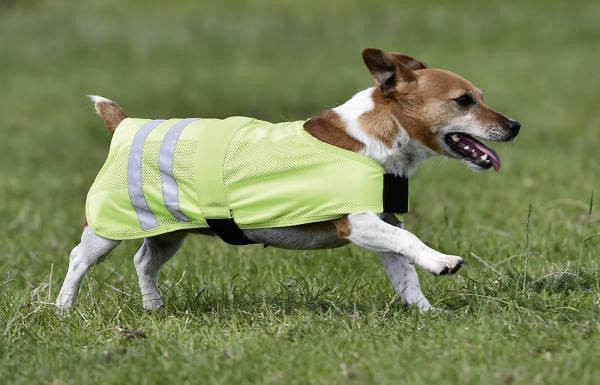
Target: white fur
(369,231)
(405,281)
(405,160)
(92,249)
(155,251)
(99,99)
(350,112)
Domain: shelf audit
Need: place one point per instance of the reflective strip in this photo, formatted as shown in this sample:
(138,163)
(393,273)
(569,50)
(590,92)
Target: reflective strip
(134,177)
(165,162)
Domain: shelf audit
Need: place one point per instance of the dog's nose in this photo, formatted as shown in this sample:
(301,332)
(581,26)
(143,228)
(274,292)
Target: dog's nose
(514,127)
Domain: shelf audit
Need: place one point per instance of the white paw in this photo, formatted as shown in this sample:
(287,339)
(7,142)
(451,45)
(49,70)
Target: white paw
(424,306)
(64,303)
(442,264)
(152,304)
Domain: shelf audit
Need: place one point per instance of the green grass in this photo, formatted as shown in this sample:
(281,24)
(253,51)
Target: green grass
(524,309)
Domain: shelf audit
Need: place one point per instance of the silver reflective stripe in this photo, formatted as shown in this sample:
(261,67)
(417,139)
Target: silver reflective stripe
(165,162)
(134,177)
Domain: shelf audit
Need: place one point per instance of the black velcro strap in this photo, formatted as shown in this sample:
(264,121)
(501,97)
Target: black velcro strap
(395,194)
(229,231)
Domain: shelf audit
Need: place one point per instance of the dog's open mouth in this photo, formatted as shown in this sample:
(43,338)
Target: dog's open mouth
(471,150)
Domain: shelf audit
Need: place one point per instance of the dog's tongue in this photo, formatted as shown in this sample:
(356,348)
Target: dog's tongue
(494,158)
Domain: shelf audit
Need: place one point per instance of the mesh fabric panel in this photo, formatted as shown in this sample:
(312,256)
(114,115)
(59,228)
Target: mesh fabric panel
(184,168)
(113,175)
(259,156)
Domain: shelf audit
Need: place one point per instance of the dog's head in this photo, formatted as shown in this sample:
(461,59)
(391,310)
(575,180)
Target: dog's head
(440,109)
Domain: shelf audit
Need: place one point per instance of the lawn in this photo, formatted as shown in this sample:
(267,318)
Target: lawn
(525,309)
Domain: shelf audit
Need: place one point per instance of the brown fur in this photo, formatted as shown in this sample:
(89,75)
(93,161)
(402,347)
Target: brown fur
(342,225)
(409,61)
(399,107)
(418,102)
(329,128)
(417,98)
(111,113)
(436,89)
(378,122)
(387,70)
(488,116)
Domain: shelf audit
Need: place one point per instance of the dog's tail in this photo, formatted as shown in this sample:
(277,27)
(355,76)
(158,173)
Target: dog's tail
(109,111)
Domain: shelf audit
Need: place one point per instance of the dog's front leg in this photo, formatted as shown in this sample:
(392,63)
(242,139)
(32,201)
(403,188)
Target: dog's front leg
(405,281)
(403,275)
(369,231)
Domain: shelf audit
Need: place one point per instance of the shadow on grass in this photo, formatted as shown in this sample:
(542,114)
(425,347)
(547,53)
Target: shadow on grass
(290,297)
(564,296)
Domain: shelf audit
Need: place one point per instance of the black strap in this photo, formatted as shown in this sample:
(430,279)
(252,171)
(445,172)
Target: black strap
(395,200)
(229,231)
(395,194)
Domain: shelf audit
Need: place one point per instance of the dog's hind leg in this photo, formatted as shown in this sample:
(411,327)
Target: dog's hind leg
(149,259)
(91,250)
(405,280)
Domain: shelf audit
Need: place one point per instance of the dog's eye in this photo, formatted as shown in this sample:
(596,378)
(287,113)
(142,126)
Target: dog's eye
(464,100)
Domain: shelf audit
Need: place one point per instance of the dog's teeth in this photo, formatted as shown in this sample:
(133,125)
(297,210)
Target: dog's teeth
(455,137)
(466,147)
(484,157)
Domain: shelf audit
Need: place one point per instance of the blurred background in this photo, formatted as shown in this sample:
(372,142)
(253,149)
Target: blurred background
(537,62)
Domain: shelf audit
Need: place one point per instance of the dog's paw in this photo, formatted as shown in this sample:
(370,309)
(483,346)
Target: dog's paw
(443,264)
(423,306)
(64,303)
(453,267)
(152,304)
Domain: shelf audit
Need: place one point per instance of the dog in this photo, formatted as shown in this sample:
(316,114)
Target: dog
(412,113)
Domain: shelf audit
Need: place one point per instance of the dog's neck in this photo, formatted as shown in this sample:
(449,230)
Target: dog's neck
(346,126)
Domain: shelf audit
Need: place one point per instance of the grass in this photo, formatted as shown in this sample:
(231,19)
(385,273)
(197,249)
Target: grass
(524,309)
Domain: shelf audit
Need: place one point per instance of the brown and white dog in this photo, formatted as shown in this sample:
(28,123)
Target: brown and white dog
(411,114)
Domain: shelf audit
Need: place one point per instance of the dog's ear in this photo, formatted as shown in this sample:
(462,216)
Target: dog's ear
(409,61)
(386,70)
